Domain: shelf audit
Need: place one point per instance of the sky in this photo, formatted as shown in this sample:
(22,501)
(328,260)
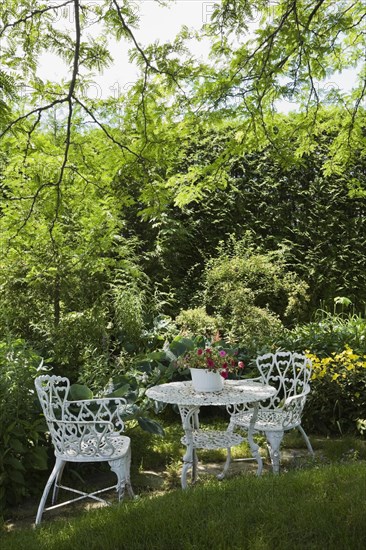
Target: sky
(156,23)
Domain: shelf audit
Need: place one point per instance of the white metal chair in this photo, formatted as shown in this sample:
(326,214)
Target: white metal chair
(290,374)
(83,431)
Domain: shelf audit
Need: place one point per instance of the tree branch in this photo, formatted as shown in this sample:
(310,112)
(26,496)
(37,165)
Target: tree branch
(313,13)
(355,110)
(132,37)
(27,115)
(102,127)
(69,118)
(32,14)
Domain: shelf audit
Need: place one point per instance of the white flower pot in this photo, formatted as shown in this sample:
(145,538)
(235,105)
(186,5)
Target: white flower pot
(205,380)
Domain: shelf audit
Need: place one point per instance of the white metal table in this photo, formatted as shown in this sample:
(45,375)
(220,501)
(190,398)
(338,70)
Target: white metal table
(234,394)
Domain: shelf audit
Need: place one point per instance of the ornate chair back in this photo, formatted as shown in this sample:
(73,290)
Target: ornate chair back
(288,372)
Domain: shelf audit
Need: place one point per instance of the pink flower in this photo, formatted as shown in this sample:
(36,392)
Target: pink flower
(224,373)
(222,353)
(210,362)
(241,365)
(199,351)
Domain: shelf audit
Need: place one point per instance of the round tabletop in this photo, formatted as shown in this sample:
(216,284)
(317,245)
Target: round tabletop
(234,392)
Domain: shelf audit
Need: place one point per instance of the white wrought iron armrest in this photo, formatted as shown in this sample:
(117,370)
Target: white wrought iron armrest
(100,428)
(292,409)
(297,397)
(95,410)
(99,401)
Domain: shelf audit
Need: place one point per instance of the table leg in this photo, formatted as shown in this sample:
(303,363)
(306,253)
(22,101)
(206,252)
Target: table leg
(253,446)
(226,465)
(195,425)
(190,422)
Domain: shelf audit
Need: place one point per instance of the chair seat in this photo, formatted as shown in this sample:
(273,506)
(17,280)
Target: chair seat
(267,421)
(91,449)
(213,439)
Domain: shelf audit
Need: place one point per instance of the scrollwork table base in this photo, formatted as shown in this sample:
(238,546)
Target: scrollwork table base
(234,393)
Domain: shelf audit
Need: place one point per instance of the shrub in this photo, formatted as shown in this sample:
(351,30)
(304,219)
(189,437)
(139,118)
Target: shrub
(76,333)
(196,321)
(327,334)
(22,428)
(129,315)
(98,369)
(337,401)
(243,276)
(253,329)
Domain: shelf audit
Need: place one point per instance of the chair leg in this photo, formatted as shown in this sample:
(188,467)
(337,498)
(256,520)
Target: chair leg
(307,441)
(128,485)
(274,440)
(59,465)
(121,468)
(57,482)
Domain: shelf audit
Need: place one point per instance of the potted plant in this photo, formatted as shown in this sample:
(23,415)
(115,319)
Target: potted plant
(209,366)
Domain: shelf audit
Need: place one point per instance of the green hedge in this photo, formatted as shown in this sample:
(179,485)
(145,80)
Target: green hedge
(23,451)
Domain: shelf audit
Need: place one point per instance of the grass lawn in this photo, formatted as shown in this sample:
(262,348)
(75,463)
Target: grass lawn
(312,504)
(318,508)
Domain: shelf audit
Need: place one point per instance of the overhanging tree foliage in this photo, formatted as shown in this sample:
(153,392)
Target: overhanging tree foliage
(293,49)
(262,52)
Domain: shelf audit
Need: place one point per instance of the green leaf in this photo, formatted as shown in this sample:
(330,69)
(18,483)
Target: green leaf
(130,411)
(14,463)
(150,426)
(16,445)
(17,476)
(120,392)
(157,356)
(79,392)
(180,345)
(120,380)
(144,366)
(38,458)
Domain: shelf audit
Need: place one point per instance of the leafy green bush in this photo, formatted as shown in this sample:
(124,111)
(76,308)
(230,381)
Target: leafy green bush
(129,315)
(252,294)
(22,429)
(327,334)
(196,321)
(337,401)
(242,275)
(255,329)
(130,376)
(76,333)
